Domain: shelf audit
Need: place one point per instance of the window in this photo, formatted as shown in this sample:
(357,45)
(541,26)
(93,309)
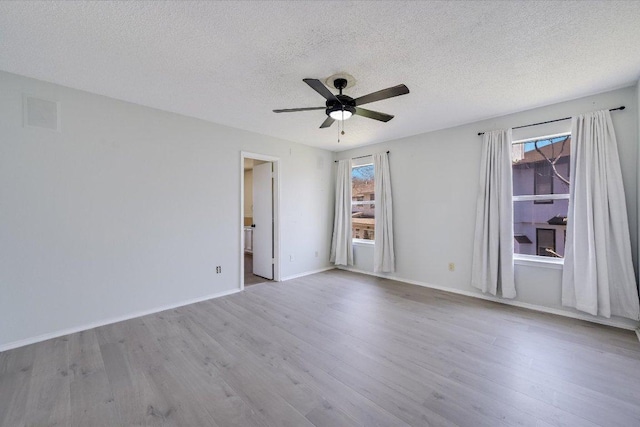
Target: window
(541,195)
(362,202)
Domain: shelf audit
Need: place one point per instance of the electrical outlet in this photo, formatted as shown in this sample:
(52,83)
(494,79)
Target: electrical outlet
(218,269)
(316,254)
(452,267)
(291,258)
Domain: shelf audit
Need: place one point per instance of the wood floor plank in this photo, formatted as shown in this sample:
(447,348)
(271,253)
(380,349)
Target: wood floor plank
(91,400)
(49,400)
(330,349)
(122,383)
(166,399)
(14,384)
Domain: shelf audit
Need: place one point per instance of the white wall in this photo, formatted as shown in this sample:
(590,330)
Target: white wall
(434,178)
(128,209)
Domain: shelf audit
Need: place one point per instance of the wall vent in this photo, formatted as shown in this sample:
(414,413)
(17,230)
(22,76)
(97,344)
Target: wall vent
(41,113)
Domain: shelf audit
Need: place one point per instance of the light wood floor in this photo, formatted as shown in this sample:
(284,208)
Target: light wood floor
(332,349)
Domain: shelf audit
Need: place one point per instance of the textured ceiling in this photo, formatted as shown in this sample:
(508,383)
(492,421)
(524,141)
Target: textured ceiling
(233,62)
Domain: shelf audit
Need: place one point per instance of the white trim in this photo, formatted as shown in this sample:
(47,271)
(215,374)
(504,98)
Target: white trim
(56,334)
(534,197)
(306,273)
(540,308)
(276,213)
(363,242)
(538,261)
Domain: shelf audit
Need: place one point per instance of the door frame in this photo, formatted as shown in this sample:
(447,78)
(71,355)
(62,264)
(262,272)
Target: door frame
(276,212)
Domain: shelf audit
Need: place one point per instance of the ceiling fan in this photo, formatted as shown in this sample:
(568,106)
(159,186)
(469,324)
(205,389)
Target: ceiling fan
(342,107)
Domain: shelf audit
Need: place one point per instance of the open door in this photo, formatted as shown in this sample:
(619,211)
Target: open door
(263,220)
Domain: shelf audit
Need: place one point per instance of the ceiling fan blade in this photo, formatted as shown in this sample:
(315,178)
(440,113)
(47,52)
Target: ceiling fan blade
(319,87)
(327,123)
(292,110)
(382,94)
(373,114)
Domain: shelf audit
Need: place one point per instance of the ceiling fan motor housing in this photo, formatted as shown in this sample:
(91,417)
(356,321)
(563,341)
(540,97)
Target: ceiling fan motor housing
(344,103)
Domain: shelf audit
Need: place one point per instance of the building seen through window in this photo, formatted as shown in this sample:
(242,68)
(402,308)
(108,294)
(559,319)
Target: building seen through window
(541,195)
(363,202)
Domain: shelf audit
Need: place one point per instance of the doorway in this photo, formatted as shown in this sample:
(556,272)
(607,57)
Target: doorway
(259,239)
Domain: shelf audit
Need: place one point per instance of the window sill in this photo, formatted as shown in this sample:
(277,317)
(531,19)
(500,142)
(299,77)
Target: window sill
(363,242)
(537,261)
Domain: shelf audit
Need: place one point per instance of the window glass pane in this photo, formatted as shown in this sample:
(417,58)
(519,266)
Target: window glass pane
(529,218)
(546,242)
(363,202)
(542,167)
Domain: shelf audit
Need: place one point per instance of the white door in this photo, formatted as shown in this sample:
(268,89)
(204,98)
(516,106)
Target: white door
(263,221)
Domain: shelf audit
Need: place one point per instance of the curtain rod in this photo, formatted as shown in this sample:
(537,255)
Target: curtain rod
(551,121)
(359,157)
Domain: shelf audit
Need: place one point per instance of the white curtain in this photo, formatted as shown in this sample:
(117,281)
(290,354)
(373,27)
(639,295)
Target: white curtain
(383,254)
(598,275)
(492,265)
(341,244)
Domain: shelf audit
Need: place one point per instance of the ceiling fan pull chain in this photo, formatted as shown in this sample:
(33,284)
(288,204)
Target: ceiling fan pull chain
(340,132)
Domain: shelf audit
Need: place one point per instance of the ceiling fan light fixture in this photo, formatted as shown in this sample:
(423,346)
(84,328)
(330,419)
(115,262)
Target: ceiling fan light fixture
(341,112)
(340,115)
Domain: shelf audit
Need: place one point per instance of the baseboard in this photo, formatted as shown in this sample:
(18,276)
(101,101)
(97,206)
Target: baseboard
(540,308)
(307,273)
(56,334)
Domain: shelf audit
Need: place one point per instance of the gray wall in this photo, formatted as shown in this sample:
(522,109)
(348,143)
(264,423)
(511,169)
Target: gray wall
(434,178)
(128,209)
